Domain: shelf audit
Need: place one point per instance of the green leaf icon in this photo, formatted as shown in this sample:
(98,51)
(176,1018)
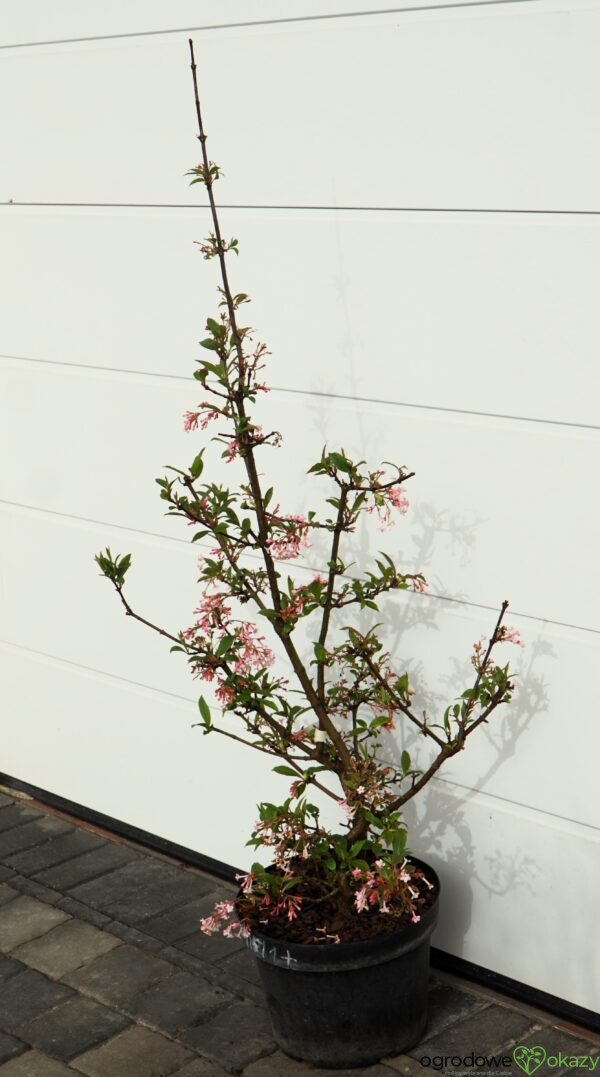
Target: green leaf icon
(529,1058)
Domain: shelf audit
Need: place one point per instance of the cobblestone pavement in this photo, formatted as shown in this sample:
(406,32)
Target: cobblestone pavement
(103,971)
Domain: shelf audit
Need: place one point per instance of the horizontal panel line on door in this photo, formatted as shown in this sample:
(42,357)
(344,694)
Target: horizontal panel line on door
(314,392)
(518,804)
(407,10)
(305,568)
(312,207)
(6,643)
(191,700)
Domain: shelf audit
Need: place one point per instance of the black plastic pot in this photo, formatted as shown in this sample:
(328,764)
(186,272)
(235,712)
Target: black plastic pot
(350,1003)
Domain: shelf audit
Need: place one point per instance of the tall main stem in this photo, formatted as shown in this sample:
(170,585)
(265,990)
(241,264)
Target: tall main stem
(311,693)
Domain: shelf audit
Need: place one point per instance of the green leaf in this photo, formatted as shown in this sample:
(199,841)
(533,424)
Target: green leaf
(197,466)
(204,709)
(286,770)
(399,842)
(331,864)
(340,462)
(211,344)
(405,762)
(320,652)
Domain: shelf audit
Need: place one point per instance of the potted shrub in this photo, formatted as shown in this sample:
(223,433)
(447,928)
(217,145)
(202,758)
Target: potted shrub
(340,921)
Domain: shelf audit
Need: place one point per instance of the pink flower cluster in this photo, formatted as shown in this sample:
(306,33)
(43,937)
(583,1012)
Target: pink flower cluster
(206,414)
(253,652)
(220,920)
(391,497)
(382,884)
(296,606)
(294,535)
(510,635)
(213,611)
(234,447)
(505,635)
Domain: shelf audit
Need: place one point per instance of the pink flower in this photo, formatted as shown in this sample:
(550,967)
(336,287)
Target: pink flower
(236,930)
(225,693)
(253,653)
(361,899)
(209,925)
(511,635)
(210,414)
(294,904)
(398,499)
(385,500)
(415,919)
(247,883)
(232,450)
(347,808)
(419,584)
(224,908)
(190,420)
(296,606)
(295,535)
(213,610)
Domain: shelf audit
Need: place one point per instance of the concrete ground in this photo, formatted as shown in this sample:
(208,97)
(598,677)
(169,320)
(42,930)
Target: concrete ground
(103,971)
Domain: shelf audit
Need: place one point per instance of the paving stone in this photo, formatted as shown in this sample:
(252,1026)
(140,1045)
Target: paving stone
(140,890)
(6,894)
(29,995)
(72,1028)
(209,947)
(5,800)
(446,1005)
(236,1036)
(282,1066)
(34,889)
(214,974)
(201,1067)
(119,976)
(407,1066)
(243,964)
(15,815)
(484,1032)
(88,866)
(557,1043)
(135,1051)
(10,1047)
(35,1064)
(177,1003)
(40,830)
(54,852)
(185,920)
(83,912)
(9,968)
(25,918)
(65,948)
(135,937)
(5,873)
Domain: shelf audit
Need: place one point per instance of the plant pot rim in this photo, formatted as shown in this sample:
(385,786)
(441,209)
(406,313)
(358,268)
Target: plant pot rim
(330,957)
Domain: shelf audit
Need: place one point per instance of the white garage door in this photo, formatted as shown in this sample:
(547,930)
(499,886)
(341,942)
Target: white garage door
(417,199)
